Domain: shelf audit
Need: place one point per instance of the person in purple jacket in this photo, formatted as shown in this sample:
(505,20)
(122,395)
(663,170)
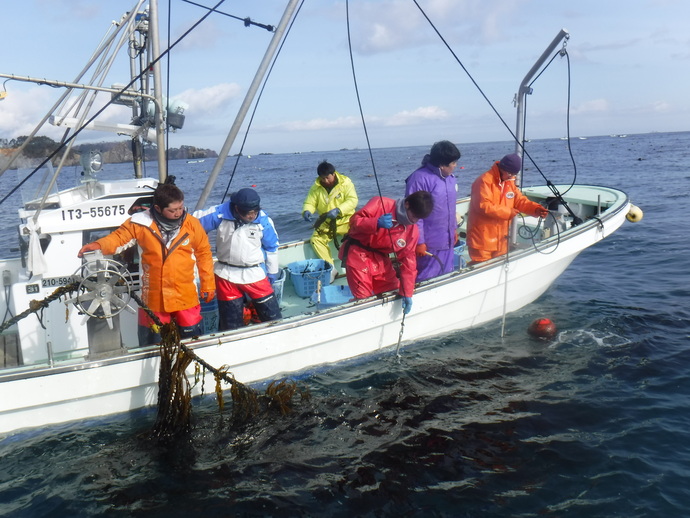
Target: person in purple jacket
(438,232)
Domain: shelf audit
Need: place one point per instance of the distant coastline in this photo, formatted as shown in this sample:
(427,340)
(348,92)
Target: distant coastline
(112,152)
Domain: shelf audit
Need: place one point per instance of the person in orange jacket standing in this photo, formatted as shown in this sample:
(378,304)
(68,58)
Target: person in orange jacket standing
(494,202)
(171,243)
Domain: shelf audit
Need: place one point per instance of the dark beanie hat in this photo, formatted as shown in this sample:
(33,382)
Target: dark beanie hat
(511,163)
(246,199)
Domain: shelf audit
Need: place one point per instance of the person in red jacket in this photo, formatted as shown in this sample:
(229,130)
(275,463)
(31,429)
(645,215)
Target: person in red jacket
(382,227)
(171,243)
(494,202)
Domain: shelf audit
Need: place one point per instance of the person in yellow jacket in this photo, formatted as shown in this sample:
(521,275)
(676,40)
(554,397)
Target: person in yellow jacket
(171,242)
(334,197)
(494,202)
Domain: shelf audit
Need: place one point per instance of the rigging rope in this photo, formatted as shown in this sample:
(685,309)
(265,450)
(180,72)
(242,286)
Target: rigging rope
(38,305)
(551,186)
(258,99)
(174,389)
(563,53)
(364,123)
(210,10)
(395,261)
(112,99)
(247,21)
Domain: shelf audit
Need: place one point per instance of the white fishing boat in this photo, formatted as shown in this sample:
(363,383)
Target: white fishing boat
(78,357)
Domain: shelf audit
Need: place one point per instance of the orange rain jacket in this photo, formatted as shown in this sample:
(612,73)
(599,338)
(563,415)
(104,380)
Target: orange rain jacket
(492,205)
(167,277)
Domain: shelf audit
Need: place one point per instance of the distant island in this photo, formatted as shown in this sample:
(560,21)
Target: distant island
(113,152)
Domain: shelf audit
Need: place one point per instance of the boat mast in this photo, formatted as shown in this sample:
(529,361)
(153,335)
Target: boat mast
(102,49)
(135,42)
(253,88)
(157,91)
(520,97)
(526,90)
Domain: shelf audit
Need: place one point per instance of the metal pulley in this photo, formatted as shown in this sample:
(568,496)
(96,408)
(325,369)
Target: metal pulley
(105,288)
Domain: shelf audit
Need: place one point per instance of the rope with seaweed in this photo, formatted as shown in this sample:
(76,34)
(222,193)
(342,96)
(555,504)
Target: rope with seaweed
(174,388)
(39,305)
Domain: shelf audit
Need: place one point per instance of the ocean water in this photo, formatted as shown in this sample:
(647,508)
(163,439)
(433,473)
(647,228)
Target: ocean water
(592,424)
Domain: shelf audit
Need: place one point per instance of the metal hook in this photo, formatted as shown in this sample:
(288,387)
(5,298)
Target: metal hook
(563,51)
(3,94)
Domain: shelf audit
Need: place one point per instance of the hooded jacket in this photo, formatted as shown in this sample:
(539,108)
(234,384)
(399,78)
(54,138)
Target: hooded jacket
(437,231)
(242,248)
(401,239)
(167,272)
(493,204)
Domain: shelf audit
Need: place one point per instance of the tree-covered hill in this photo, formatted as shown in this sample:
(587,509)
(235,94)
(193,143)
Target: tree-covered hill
(113,152)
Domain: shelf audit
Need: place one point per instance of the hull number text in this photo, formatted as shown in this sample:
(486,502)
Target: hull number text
(54,282)
(94,212)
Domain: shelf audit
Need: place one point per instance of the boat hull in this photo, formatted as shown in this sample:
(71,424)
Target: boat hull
(32,397)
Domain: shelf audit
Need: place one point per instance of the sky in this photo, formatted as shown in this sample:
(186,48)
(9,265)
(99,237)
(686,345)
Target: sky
(627,69)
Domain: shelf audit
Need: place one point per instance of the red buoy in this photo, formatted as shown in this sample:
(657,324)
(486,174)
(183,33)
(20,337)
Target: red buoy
(542,328)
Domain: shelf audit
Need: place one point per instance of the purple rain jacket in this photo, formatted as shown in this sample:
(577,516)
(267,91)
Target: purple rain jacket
(438,230)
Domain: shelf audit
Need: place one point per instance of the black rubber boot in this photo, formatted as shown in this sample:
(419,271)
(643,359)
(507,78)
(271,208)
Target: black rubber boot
(267,308)
(230,314)
(188,332)
(147,336)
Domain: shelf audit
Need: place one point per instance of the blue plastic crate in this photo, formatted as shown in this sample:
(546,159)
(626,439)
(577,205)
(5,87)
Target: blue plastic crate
(279,284)
(209,317)
(458,260)
(330,296)
(305,275)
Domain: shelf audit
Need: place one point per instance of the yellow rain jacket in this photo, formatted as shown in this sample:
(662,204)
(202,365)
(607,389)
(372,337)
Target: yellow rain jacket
(343,196)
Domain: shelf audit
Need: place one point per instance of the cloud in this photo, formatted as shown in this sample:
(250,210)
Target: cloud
(612,45)
(403,118)
(409,118)
(204,37)
(210,100)
(395,24)
(593,106)
(21,110)
(316,124)
(81,9)
(661,107)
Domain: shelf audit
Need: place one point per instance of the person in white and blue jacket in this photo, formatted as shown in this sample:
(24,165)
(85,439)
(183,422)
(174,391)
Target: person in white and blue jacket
(247,253)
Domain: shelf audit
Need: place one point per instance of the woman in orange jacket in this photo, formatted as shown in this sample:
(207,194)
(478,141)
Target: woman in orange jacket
(171,243)
(495,201)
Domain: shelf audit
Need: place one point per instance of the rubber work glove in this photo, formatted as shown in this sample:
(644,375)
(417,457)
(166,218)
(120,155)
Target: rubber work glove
(90,247)
(208,296)
(272,277)
(407,305)
(421,250)
(541,212)
(307,215)
(385,221)
(333,213)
